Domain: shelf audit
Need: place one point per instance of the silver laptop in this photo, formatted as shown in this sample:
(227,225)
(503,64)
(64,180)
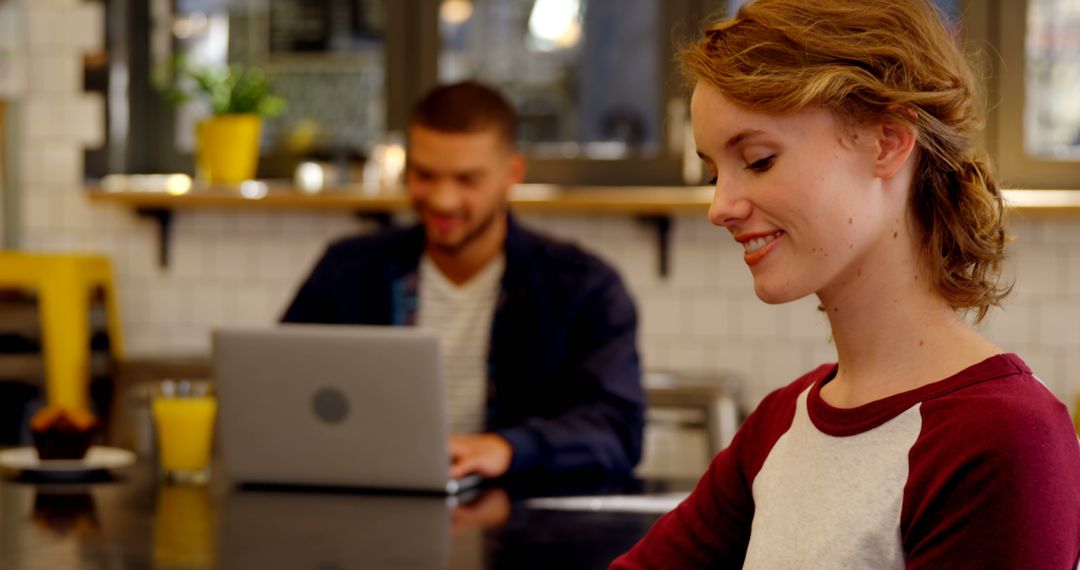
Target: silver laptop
(355,406)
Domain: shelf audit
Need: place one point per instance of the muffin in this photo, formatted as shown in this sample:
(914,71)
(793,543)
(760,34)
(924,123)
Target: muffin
(61,433)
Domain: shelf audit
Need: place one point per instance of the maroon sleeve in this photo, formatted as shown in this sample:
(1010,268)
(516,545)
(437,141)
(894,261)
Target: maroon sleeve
(711,528)
(994,481)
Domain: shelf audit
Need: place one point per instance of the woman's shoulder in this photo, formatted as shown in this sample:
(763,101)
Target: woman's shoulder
(1007,395)
(996,466)
(1008,414)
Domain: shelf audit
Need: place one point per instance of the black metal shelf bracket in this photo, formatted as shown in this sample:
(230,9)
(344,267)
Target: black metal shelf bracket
(163,217)
(662,225)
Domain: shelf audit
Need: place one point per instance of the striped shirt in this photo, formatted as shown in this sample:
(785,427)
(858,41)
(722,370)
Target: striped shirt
(461,316)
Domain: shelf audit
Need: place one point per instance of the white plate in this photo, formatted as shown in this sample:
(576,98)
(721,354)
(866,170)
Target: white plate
(97,458)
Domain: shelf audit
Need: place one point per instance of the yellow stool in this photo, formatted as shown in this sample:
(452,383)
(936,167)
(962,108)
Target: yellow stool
(64,283)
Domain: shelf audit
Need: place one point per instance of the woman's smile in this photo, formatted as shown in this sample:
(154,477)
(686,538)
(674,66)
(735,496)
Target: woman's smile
(757,246)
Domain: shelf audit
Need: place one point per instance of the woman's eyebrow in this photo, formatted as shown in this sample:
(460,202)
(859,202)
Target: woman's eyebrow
(741,136)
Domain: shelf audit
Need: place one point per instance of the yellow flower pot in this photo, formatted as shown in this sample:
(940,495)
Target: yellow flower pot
(227,148)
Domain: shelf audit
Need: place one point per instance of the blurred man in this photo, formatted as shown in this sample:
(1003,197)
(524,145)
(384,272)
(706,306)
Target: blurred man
(539,337)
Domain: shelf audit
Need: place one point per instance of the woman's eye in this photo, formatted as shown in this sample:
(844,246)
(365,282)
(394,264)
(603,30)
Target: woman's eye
(762,165)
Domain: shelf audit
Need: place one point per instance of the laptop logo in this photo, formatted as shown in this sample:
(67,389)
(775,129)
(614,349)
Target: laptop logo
(330,405)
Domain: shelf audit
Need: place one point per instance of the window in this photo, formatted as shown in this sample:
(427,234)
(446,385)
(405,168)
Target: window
(1033,59)
(585,75)
(325,57)
(1052,80)
(594,81)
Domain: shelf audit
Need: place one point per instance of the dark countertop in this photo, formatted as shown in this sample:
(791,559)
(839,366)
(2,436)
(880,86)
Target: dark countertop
(132,521)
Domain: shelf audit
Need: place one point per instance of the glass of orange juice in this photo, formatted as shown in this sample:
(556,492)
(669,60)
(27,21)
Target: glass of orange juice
(184,412)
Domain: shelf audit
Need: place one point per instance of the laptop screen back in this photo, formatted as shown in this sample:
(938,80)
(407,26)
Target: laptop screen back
(332,405)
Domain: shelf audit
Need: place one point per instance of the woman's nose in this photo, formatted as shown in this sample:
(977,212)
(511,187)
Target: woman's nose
(728,206)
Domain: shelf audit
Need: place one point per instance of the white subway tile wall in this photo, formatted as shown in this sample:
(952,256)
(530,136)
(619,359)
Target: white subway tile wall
(233,268)
(84,118)
(59,75)
(43,26)
(83,27)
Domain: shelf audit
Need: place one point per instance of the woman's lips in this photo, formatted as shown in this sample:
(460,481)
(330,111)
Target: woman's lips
(759,246)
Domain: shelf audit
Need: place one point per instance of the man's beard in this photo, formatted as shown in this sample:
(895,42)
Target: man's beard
(473,234)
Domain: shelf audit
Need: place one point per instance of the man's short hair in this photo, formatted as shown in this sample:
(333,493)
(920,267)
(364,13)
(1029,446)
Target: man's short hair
(466,107)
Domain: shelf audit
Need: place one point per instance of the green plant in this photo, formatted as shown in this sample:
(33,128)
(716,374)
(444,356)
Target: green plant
(229,90)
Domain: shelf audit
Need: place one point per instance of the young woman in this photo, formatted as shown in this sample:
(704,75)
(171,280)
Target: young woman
(841,137)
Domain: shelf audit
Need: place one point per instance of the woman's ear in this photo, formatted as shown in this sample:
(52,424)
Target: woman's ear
(895,147)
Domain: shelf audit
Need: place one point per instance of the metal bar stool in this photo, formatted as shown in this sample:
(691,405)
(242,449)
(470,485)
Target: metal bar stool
(715,394)
(64,283)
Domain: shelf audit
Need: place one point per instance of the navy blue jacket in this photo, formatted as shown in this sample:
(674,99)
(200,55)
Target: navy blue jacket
(564,382)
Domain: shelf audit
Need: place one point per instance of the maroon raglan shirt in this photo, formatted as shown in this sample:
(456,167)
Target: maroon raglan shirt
(980,470)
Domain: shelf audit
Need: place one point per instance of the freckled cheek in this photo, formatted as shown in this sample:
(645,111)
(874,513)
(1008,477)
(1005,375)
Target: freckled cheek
(838,237)
(821,245)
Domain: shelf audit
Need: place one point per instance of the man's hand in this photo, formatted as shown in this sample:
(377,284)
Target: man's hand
(486,454)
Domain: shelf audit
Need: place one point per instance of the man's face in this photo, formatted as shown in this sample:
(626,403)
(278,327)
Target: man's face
(459,183)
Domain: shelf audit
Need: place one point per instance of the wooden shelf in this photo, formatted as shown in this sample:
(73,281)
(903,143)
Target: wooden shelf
(151,196)
(652,206)
(1044,202)
(525,198)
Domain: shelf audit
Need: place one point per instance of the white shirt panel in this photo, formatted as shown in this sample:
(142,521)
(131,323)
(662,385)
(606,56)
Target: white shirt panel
(461,316)
(851,487)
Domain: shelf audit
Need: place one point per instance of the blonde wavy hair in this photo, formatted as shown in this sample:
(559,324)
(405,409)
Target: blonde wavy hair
(866,60)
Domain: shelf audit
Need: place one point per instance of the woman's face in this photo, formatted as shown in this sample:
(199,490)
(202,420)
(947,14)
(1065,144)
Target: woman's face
(800,192)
